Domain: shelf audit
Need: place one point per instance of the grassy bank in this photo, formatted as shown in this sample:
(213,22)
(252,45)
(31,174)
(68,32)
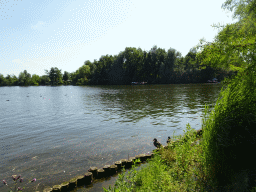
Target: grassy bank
(176,168)
(180,167)
(220,161)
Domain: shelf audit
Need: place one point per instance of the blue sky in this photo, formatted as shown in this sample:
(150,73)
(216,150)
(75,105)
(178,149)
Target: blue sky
(40,34)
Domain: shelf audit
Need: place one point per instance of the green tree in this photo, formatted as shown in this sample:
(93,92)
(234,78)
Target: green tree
(24,78)
(129,64)
(190,61)
(21,79)
(167,67)
(92,66)
(35,80)
(2,80)
(116,72)
(155,64)
(234,46)
(79,77)
(147,67)
(66,76)
(55,75)
(15,80)
(27,78)
(45,80)
(8,80)
(160,59)
(11,80)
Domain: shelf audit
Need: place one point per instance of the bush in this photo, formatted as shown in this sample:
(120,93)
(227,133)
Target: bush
(230,130)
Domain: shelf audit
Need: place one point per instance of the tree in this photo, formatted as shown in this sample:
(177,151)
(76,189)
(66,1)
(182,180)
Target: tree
(160,58)
(167,67)
(79,77)
(2,80)
(92,67)
(24,78)
(35,80)
(11,80)
(55,75)
(45,80)
(21,78)
(66,76)
(190,61)
(234,46)
(116,72)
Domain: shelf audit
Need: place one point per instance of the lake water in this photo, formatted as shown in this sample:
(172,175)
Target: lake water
(56,133)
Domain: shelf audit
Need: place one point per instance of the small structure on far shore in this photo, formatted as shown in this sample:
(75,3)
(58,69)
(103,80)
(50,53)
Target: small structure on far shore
(139,83)
(214,80)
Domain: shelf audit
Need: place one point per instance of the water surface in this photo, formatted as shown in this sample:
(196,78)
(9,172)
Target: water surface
(56,133)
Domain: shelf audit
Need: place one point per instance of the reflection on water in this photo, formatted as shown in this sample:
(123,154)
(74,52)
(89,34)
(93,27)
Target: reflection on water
(59,132)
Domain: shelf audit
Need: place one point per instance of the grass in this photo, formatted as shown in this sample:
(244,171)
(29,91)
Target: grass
(219,162)
(171,169)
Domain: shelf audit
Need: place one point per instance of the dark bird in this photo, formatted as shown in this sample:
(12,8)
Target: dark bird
(156,143)
(168,140)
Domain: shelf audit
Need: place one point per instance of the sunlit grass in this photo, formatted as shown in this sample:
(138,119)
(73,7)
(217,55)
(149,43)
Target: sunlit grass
(171,169)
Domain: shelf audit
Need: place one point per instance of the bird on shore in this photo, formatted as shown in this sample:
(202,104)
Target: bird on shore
(156,143)
(168,140)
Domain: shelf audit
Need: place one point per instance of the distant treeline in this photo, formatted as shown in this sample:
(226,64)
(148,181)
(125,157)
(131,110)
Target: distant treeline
(132,65)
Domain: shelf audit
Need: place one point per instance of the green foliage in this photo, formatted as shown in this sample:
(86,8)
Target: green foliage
(234,46)
(55,75)
(24,78)
(45,80)
(10,80)
(66,76)
(2,80)
(230,129)
(171,169)
(132,64)
(35,80)
(80,76)
(117,72)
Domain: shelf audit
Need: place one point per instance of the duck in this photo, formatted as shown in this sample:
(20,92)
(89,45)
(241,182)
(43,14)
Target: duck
(168,140)
(156,143)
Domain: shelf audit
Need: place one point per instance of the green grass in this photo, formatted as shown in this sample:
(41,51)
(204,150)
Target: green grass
(219,162)
(171,169)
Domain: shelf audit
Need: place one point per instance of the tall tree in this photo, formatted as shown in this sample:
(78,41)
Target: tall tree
(92,67)
(116,73)
(190,61)
(45,80)
(35,80)
(24,78)
(66,76)
(55,75)
(234,46)
(130,64)
(167,69)
(2,80)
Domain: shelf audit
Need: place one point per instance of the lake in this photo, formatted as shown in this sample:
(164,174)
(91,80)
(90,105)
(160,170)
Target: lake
(56,133)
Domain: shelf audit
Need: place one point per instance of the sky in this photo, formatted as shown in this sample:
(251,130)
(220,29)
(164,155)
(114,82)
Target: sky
(39,34)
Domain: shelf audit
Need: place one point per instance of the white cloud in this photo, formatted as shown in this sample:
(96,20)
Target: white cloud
(16,61)
(39,26)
